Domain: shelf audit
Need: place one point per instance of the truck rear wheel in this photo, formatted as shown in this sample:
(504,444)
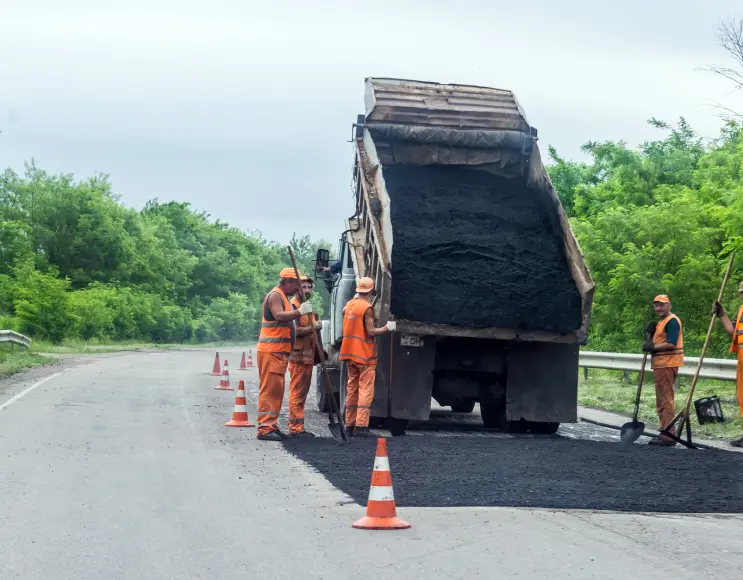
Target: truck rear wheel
(463,407)
(493,413)
(397,426)
(544,427)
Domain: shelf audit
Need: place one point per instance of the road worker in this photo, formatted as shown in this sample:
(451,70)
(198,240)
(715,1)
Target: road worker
(301,362)
(736,346)
(278,333)
(359,352)
(666,349)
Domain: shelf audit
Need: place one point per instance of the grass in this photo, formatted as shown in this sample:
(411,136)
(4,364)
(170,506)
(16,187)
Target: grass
(99,347)
(606,390)
(13,361)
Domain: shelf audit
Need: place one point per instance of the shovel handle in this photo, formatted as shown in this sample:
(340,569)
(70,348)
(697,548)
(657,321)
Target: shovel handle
(639,387)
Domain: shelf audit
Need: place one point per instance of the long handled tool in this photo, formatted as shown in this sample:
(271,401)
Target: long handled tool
(631,431)
(682,417)
(334,416)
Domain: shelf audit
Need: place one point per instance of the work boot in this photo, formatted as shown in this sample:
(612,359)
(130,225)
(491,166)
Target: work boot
(361,432)
(737,442)
(349,430)
(660,442)
(272,436)
(301,434)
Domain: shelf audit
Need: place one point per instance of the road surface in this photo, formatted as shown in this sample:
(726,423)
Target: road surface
(119,467)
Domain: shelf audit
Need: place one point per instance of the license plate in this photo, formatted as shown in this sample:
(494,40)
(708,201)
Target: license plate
(411,340)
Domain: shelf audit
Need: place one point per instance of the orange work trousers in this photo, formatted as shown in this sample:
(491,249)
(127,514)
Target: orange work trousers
(359,393)
(664,396)
(300,378)
(740,380)
(271,375)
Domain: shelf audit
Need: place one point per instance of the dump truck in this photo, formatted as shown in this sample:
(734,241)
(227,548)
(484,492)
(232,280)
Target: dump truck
(458,224)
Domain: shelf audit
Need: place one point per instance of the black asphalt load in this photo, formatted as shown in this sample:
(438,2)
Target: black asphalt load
(545,472)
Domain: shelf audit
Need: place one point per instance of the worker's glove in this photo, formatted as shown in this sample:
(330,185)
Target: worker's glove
(718,309)
(650,328)
(305,308)
(648,346)
(392,326)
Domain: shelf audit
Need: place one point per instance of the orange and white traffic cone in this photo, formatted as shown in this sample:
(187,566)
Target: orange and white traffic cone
(216,371)
(240,413)
(250,359)
(381,513)
(242,366)
(224,383)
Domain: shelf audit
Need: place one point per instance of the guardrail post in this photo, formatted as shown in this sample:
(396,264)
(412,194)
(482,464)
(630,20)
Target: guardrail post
(676,385)
(626,377)
(585,373)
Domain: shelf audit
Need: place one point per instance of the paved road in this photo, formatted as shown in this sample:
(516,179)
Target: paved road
(118,467)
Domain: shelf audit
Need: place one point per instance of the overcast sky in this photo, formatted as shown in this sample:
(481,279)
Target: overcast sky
(245,108)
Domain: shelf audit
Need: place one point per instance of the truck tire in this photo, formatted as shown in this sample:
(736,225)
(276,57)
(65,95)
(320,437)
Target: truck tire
(544,428)
(493,413)
(397,426)
(463,407)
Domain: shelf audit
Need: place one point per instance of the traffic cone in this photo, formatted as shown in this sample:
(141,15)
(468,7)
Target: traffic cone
(250,359)
(240,414)
(381,513)
(216,371)
(224,383)
(242,363)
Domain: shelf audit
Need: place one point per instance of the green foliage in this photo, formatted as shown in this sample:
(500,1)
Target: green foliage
(659,219)
(77,264)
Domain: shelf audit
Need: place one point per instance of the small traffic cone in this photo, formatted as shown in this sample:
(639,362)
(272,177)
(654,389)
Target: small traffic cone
(224,383)
(216,371)
(240,414)
(381,513)
(242,363)
(250,359)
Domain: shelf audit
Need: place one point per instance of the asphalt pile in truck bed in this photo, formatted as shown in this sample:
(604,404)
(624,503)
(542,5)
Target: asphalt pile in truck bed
(476,250)
(545,472)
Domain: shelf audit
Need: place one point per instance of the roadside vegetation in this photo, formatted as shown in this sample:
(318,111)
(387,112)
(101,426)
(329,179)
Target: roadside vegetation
(607,390)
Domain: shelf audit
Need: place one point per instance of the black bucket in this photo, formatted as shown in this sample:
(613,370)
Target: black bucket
(709,410)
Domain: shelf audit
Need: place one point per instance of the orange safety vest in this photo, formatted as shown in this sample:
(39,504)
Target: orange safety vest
(737,332)
(664,359)
(277,337)
(304,349)
(357,345)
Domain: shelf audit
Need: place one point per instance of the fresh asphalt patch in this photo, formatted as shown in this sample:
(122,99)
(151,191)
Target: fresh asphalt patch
(544,472)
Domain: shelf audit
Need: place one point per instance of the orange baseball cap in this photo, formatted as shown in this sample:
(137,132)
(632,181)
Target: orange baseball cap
(662,298)
(288,273)
(365,285)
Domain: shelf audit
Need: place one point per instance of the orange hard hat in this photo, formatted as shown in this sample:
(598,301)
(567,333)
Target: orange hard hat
(365,285)
(662,298)
(288,273)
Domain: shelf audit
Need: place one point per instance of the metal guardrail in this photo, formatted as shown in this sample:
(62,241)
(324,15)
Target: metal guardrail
(712,368)
(14,337)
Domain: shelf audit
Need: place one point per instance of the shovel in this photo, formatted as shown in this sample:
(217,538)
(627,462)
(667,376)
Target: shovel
(631,431)
(336,425)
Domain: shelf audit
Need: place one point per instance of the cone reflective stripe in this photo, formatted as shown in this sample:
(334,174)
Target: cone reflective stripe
(240,414)
(381,513)
(250,359)
(242,366)
(224,384)
(216,372)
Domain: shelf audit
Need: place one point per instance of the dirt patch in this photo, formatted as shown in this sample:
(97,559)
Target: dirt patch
(540,472)
(476,250)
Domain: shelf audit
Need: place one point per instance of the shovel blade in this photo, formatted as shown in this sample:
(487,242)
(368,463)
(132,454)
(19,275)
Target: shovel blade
(338,432)
(631,432)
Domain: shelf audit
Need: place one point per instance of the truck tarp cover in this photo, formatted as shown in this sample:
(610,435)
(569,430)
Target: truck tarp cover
(477,250)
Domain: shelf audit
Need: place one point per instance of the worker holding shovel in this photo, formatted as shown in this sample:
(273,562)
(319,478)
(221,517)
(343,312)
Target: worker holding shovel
(736,346)
(666,349)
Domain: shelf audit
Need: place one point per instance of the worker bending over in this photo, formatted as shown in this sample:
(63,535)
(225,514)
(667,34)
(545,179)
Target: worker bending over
(278,333)
(359,351)
(301,362)
(736,346)
(666,350)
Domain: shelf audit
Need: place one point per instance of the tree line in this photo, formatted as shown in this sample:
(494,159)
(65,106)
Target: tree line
(661,218)
(76,263)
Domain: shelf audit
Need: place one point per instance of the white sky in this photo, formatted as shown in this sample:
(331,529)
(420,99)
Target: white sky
(245,108)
